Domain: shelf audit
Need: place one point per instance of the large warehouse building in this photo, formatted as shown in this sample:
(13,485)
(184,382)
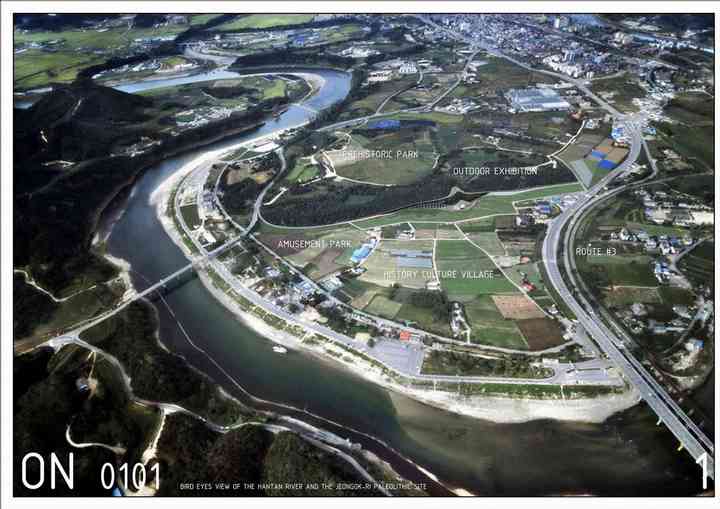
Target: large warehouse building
(536,99)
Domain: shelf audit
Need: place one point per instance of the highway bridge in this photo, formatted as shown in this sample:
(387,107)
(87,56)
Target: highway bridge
(559,239)
(135,295)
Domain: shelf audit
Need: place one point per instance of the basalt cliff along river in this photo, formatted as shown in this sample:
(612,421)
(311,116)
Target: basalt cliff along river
(626,455)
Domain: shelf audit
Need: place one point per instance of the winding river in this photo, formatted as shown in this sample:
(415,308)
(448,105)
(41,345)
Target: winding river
(626,455)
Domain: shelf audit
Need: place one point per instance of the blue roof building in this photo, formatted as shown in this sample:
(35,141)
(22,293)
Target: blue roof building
(606,165)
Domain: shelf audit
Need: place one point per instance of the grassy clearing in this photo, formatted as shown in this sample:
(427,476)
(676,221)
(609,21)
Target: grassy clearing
(533,275)
(694,143)
(692,108)
(412,155)
(627,295)
(277,89)
(453,363)
(265,21)
(699,264)
(423,319)
(624,89)
(440,118)
(377,94)
(190,215)
(302,172)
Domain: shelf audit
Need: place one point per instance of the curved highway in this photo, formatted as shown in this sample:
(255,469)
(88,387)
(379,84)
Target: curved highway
(689,435)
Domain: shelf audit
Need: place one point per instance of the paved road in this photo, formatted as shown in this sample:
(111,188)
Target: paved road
(655,395)
(690,436)
(625,339)
(405,359)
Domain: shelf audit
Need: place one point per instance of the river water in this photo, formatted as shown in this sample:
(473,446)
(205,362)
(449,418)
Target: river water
(627,455)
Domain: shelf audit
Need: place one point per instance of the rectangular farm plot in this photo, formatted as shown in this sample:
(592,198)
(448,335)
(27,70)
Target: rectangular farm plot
(628,295)
(541,333)
(382,306)
(466,272)
(436,231)
(517,307)
(488,241)
(324,263)
(359,293)
(408,263)
(489,327)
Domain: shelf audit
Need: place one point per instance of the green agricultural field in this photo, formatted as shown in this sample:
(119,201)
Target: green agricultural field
(438,231)
(423,318)
(489,327)
(382,306)
(360,293)
(384,270)
(488,241)
(35,68)
(482,225)
(201,19)
(75,49)
(265,21)
(459,266)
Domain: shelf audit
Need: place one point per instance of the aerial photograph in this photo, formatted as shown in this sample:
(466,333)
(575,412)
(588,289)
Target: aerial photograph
(355,255)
